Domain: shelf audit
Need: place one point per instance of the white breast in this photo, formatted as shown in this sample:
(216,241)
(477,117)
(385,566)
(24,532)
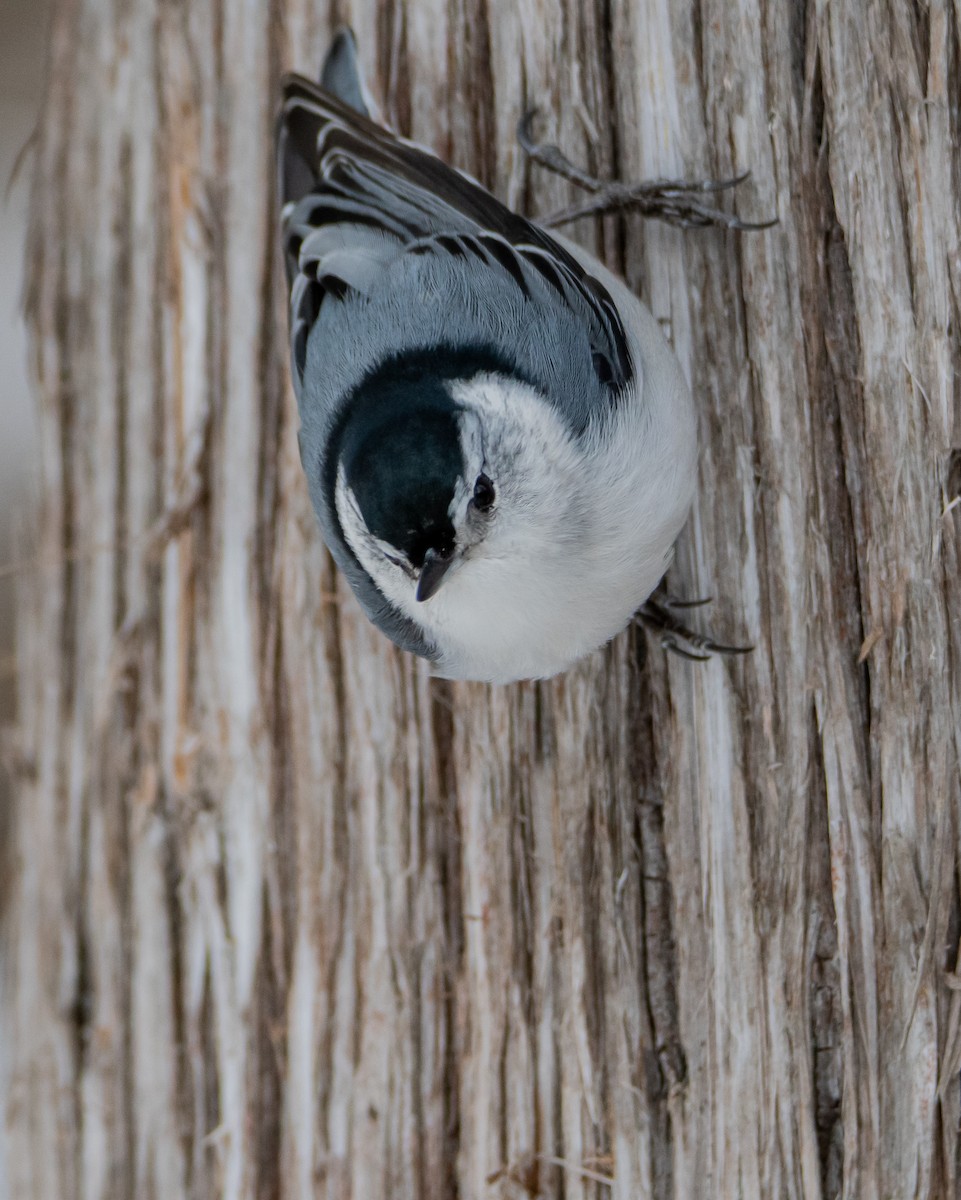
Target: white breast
(562,592)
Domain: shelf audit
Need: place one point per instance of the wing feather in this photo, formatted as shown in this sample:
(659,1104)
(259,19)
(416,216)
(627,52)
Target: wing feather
(387,197)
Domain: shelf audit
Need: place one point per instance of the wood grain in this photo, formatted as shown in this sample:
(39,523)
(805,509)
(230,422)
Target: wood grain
(289,918)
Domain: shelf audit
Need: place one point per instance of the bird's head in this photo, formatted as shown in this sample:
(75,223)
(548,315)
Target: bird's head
(440,472)
(402,480)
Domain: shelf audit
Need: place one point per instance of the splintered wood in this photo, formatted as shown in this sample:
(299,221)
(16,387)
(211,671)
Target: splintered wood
(285,917)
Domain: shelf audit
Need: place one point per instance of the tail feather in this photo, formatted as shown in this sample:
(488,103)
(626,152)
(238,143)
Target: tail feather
(341,74)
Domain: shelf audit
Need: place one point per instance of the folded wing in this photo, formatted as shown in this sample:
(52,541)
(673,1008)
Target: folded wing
(354,198)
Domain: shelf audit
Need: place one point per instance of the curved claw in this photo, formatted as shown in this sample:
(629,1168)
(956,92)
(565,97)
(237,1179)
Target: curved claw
(668,642)
(656,615)
(677,602)
(753,226)
(724,185)
(717,648)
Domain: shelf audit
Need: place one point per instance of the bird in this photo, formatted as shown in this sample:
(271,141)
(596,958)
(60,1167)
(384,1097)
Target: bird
(499,442)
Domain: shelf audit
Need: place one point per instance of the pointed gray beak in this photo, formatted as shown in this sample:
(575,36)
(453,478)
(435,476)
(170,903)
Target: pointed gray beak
(432,573)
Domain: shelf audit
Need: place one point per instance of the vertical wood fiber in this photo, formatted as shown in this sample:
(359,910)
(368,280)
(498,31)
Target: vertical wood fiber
(287,917)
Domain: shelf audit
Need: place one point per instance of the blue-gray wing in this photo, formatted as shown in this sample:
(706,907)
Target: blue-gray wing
(389,252)
(354,198)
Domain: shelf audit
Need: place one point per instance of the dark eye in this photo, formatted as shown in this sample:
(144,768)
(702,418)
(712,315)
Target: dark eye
(602,368)
(483,499)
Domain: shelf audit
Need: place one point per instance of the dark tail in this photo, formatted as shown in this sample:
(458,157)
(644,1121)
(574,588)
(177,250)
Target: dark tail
(304,111)
(340,73)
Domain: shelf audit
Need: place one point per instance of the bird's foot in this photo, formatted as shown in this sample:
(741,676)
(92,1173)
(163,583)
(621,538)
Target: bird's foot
(675,201)
(656,615)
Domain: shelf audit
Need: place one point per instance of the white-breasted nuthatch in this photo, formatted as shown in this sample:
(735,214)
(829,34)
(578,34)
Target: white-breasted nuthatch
(499,442)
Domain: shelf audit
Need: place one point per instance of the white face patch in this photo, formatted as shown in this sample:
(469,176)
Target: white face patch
(511,434)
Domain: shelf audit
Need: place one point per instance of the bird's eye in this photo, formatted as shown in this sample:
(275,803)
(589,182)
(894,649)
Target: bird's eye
(602,368)
(483,499)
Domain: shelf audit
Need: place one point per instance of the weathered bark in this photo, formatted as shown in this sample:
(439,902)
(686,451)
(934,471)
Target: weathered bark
(290,918)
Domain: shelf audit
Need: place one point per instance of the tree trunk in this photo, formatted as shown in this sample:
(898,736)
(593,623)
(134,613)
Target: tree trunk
(291,918)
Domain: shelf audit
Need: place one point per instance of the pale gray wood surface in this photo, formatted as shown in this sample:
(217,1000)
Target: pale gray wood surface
(288,918)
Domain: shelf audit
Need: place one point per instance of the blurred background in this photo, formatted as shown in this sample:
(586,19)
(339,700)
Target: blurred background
(23,29)
(23,41)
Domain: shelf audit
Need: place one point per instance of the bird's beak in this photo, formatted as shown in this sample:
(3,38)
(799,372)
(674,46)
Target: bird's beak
(436,566)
